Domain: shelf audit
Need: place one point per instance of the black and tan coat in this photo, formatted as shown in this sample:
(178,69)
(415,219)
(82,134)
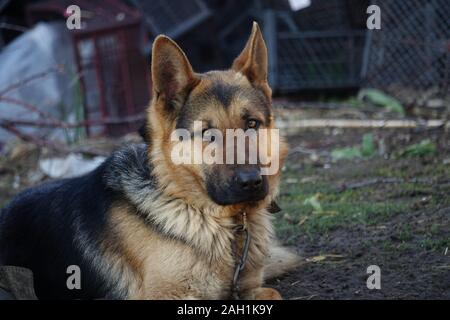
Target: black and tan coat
(141,227)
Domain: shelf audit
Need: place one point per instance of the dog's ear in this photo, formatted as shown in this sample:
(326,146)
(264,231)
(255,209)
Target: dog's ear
(172,74)
(273,207)
(252,62)
(144,133)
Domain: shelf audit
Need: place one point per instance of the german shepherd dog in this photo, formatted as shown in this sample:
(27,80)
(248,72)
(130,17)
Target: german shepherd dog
(140,226)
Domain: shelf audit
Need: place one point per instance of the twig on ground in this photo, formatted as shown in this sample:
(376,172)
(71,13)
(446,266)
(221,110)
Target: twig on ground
(370,182)
(305,297)
(300,149)
(352,123)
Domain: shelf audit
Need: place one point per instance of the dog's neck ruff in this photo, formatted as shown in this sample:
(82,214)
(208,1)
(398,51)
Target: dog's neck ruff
(128,172)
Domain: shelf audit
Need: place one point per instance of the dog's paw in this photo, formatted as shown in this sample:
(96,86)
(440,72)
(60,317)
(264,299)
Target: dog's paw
(267,294)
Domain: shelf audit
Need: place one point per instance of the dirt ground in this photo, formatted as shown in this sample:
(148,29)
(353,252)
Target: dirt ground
(390,209)
(393,212)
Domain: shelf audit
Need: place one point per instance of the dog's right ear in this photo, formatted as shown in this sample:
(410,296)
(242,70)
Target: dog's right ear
(144,133)
(252,61)
(172,74)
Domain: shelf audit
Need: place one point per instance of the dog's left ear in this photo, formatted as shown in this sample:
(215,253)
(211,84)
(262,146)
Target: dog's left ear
(252,62)
(172,74)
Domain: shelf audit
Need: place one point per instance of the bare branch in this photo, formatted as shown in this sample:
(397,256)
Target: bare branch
(26,137)
(34,109)
(32,78)
(13,27)
(61,124)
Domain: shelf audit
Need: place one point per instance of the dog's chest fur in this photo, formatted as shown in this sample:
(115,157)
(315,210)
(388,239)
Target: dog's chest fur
(158,244)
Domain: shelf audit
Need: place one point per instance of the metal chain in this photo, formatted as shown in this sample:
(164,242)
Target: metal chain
(242,259)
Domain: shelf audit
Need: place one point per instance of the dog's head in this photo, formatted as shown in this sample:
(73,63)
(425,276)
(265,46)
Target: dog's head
(205,106)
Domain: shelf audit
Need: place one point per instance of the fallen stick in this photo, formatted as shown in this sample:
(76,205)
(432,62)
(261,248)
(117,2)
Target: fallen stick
(366,183)
(369,182)
(353,123)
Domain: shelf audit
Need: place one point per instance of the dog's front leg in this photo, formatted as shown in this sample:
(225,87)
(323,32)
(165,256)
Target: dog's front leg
(251,284)
(263,293)
(163,290)
(161,295)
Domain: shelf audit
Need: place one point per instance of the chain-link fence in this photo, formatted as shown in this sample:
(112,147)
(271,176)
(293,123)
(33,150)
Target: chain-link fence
(318,47)
(319,60)
(172,17)
(410,56)
(327,45)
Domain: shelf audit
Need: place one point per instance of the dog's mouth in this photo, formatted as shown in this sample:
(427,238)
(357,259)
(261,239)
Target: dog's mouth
(237,193)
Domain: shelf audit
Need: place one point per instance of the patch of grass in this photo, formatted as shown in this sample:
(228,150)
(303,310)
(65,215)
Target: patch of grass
(422,149)
(365,150)
(435,244)
(355,102)
(405,233)
(435,229)
(380,98)
(398,169)
(336,209)
(411,189)
(314,204)
(396,247)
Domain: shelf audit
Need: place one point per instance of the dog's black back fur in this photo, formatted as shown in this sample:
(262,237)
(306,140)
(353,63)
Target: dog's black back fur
(38,230)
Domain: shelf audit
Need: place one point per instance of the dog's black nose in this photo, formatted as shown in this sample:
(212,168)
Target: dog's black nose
(249,179)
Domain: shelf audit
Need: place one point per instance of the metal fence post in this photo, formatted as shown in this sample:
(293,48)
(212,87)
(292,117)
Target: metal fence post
(270,35)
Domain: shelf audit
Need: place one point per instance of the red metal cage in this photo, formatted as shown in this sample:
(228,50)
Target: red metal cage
(113,71)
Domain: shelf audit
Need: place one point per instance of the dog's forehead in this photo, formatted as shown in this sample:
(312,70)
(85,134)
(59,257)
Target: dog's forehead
(227,91)
(223,86)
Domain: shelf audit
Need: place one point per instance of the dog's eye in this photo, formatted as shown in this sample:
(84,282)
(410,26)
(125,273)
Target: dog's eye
(253,124)
(206,133)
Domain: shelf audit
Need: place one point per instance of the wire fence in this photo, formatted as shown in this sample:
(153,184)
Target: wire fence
(313,60)
(319,47)
(410,56)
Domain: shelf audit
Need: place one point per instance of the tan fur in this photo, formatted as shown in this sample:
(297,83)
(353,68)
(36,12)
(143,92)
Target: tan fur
(169,269)
(201,265)
(145,258)
(279,261)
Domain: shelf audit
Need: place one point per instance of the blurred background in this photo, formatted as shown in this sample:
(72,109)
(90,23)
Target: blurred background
(366,112)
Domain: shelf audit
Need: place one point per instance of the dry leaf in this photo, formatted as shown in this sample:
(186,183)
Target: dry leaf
(289,218)
(302,220)
(326,213)
(323,257)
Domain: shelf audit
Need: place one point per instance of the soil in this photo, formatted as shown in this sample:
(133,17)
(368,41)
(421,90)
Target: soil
(410,243)
(408,274)
(414,264)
